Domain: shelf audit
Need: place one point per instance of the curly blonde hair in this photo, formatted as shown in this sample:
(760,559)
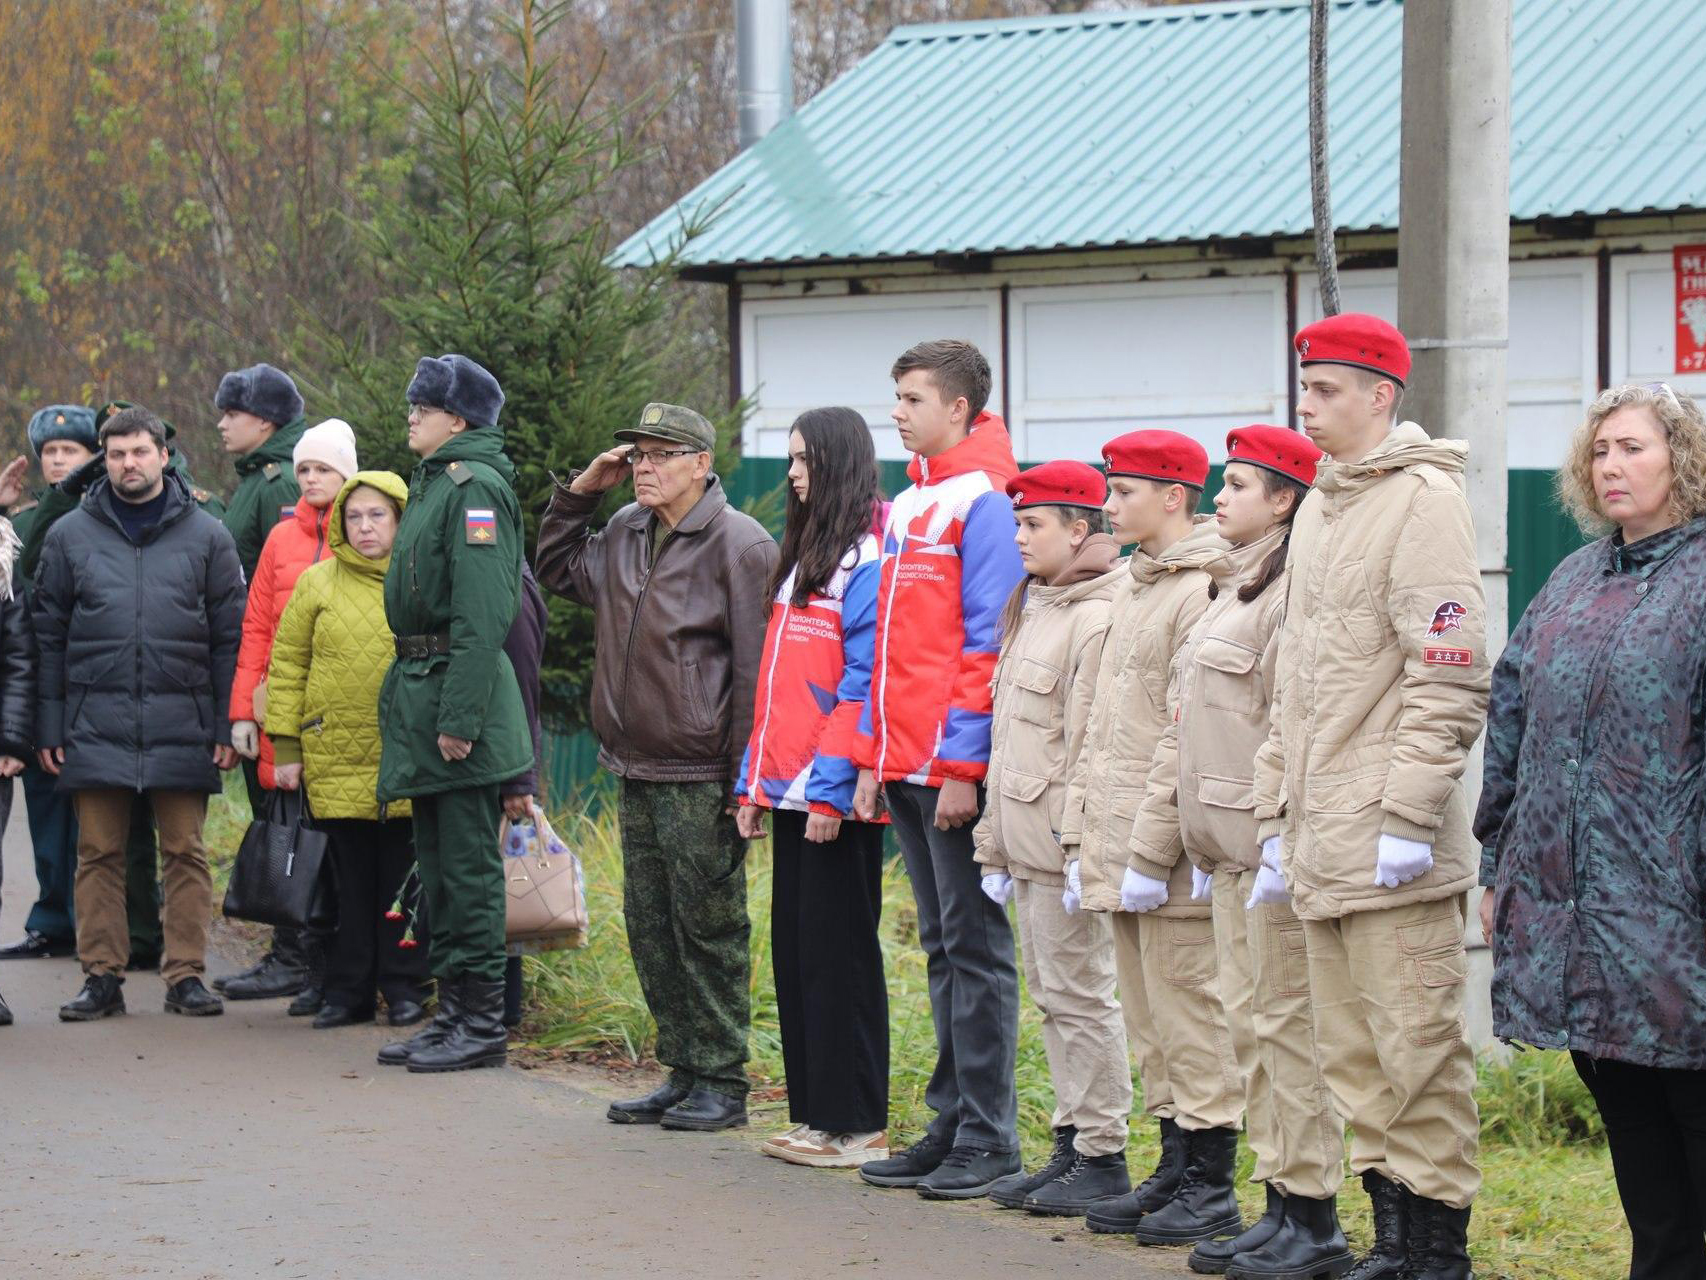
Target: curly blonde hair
(1685,433)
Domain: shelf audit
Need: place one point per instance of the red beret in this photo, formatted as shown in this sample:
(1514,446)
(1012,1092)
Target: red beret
(1291,453)
(1362,341)
(1166,456)
(1062,483)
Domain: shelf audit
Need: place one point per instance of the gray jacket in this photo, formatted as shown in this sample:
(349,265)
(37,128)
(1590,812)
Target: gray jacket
(138,644)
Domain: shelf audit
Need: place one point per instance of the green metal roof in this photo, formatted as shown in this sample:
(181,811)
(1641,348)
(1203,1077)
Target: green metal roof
(1180,125)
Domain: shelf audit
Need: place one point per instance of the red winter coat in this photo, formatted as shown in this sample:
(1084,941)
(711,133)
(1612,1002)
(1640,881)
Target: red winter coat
(296,541)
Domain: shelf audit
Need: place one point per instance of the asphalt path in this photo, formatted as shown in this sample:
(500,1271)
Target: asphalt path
(250,1145)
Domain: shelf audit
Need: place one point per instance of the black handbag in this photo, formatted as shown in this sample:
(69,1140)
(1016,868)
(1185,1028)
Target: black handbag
(282,872)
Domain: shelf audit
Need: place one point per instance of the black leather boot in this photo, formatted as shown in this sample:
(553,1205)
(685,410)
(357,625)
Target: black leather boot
(1011,1191)
(1120,1216)
(705,1111)
(910,1166)
(312,998)
(476,1038)
(396,1054)
(271,979)
(648,1109)
(1438,1247)
(5,1013)
(1087,1181)
(102,996)
(1385,1261)
(1205,1203)
(189,997)
(1211,1257)
(1308,1246)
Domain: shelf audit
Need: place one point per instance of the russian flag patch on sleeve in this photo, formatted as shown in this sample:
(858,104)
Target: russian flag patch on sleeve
(481,525)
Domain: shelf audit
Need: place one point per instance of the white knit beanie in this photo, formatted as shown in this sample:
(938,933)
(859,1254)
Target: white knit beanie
(331,442)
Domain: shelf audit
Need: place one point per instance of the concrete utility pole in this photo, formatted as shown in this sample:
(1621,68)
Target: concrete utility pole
(1454,280)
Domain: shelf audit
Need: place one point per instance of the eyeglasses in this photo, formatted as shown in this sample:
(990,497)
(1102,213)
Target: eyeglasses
(424,409)
(1663,389)
(656,456)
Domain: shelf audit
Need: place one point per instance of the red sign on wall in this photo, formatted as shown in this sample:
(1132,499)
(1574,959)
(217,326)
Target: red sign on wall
(1690,263)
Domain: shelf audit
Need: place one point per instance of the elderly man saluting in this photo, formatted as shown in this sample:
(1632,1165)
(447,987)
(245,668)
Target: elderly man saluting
(680,581)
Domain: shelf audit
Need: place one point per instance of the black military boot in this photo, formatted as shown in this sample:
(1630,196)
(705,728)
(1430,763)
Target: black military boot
(706,1111)
(1088,1181)
(1120,1215)
(312,998)
(649,1108)
(1011,1191)
(396,1054)
(1308,1246)
(1205,1203)
(280,973)
(101,997)
(189,997)
(476,1038)
(5,1013)
(1211,1257)
(1385,1261)
(1438,1247)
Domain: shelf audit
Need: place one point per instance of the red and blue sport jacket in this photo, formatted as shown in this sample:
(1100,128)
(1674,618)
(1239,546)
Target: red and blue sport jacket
(949,564)
(812,682)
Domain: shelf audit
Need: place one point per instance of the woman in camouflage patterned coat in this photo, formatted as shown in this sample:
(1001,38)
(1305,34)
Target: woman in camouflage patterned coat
(1592,809)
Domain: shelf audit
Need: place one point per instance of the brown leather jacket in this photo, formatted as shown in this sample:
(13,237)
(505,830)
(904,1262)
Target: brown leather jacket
(678,639)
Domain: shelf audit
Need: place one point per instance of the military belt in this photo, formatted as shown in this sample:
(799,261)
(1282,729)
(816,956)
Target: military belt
(430,646)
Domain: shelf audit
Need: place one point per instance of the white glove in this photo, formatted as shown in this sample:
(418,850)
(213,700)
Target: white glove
(246,738)
(1270,881)
(998,887)
(1139,892)
(1074,888)
(1399,861)
(1202,885)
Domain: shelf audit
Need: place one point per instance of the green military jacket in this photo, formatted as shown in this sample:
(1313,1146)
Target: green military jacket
(455,572)
(51,502)
(266,490)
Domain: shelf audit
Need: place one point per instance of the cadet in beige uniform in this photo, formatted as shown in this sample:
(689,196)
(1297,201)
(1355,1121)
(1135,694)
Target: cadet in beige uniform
(1163,941)
(1051,648)
(1200,790)
(1383,678)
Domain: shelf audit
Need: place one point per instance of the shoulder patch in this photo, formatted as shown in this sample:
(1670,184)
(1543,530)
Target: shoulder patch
(271,471)
(200,495)
(481,526)
(460,474)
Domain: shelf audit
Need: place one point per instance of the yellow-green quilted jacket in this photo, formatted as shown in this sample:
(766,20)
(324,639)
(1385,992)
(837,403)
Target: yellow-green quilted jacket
(328,660)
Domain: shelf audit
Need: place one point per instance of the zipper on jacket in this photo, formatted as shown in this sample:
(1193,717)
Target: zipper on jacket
(756,781)
(141,750)
(634,622)
(888,621)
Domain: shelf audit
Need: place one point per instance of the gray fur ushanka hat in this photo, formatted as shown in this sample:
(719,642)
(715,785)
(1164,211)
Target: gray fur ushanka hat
(457,385)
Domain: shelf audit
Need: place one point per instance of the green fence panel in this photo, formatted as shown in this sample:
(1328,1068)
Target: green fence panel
(1541,535)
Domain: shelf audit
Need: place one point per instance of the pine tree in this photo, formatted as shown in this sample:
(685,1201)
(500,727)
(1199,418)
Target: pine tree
(500,256)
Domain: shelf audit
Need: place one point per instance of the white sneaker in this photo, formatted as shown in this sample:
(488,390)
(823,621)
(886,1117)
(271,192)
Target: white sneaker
(836,1150)
(775,1146)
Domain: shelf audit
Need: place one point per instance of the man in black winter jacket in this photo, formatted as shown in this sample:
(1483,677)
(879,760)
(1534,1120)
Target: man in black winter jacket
(138,608)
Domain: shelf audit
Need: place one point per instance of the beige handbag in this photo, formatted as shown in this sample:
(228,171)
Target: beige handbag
(545,894)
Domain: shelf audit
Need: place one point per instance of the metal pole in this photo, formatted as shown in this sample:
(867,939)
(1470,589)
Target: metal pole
(764,61)
(1454,277)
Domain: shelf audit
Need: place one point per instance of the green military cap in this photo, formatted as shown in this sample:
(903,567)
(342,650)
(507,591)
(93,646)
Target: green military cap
(113,406)
(660,421)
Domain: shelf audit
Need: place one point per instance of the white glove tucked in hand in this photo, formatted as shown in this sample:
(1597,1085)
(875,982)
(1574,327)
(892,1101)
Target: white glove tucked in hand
(1074,894)
(998,887)
(246,738)
(1270,881)
(1139,892)
(1202,885)
(1398,861)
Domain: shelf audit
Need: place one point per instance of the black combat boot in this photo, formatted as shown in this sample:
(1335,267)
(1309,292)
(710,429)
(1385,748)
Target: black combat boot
(476,1038)
(1120,1215)
(1205,1203)
(5,1013)
(706,1111)
(102,996)
(1087,1182)
(281,972)
(189,997)
(396,1054)
(1211,1256)
(1308,1246)
(312,997)
(1385,1261)
(648,1108)
(1011,1191)
(1438,1247)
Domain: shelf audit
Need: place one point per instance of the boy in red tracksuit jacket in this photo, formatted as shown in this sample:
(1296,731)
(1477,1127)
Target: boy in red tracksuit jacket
(949,564)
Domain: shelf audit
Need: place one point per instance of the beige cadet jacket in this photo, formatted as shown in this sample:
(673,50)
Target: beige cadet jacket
(1044,684)
(1382,678)
(1201,786)
(1153,610)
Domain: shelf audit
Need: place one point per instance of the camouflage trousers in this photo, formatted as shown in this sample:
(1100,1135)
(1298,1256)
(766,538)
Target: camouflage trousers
(684,902)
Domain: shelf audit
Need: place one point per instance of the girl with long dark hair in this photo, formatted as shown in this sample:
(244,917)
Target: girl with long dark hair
(1200,792)
(827,893)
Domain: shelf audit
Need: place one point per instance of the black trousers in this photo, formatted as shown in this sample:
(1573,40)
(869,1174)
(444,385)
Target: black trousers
(369,863)
(1655,1124)
(832,1001)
